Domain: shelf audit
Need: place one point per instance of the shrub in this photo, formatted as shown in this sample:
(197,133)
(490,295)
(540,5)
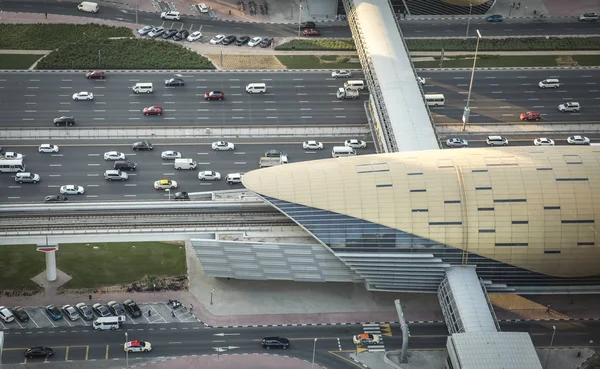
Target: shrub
(124,54)
(53,36)
(338,44)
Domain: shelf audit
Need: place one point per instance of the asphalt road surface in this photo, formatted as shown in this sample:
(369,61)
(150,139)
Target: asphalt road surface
(35,99)
(82,343)
(84,165)
(410,28)
(502,95)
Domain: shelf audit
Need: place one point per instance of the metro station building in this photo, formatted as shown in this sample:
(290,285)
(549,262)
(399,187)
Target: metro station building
(526,217)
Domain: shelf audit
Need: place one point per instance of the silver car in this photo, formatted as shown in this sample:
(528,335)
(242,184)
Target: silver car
(456,142)
(208,175)
(26,177)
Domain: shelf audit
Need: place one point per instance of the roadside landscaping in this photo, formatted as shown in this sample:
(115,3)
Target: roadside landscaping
(93,265)
(17,61)
(319,62)
(124,54)
(485,44)
(53,36)
(496,61)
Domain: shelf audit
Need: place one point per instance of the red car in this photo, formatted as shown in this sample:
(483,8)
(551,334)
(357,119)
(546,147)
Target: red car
(531,115)
(311,32)
(214,95)
(95,75)
(153,110)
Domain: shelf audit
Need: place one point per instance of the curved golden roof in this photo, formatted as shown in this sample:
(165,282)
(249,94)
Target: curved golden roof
(532,207)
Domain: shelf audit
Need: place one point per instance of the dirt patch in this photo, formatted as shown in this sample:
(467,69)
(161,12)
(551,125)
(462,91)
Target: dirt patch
(566,61)
(233,62)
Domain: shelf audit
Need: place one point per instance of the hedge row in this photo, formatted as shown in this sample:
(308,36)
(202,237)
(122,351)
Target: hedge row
(486,44)
(317,44)
(53,36)
(124,54)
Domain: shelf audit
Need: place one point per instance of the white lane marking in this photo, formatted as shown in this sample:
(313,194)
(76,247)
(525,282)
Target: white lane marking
(34,80)
(538,106)
(134,118)
(134,110)
(271,109)
(93,174)
(298,79)
(271,117)
(269,102)
(305,108)
(100,102)
(306,117)
(30,111)
(99,118)
(340,116)
(99,111)
(169,118)
(300,86)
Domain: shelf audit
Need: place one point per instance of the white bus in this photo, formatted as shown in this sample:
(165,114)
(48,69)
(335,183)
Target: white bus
(12,165)
(435,99)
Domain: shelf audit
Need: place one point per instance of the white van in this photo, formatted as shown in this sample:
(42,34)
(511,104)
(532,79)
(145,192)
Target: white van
(185,163)
(354,85)
(550,82)
(111,323)
(233,178)
(339,151)
(145,87)
(89,7)
(256,88)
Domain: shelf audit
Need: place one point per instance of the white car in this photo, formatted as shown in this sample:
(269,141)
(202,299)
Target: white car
(217,39)
(203,8)
(170,15)
(254,41)
(170,155)
(569,107)
(83,96)
(343,73)
(421,80)
(165,184)
(114,155)
(195,36)
(456,142)
(137,346)
(6,315)
(222,145)
(145,30)
(355,144)
(312,145)
(157,31)
(208,175)
(578,140)
(543,142)
(12,155)
(48,148)
(71,190)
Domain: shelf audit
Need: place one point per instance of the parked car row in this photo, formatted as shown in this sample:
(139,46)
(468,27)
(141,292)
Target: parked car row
(72,313)
(221,39)
(503,141)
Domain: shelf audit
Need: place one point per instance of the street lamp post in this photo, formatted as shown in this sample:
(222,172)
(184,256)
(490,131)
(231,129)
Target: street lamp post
(137,5)
(551,342)
(469,20)
(314,349)
(211,293)
(467,111)
(299,19)
(126,354)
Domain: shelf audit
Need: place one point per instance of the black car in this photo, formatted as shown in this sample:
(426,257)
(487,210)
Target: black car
(309,25)
(181,35)
(143,145)
(20,313)
(266,42)
(132,308)
(40,351)
(56,198)
(169,33)
(85,311)
(228,40)
(275,342)
(181,196)
(174,82)
(116,308)
(64,121)
(101,310)
(125,165)
(242,40)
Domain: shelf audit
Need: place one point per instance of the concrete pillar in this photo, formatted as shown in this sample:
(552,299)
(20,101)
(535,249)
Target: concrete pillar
(51,266)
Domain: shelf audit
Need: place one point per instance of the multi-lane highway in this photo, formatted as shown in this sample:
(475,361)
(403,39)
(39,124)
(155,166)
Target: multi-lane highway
(502,95)
(81,343)
(84,165)
(35,99)
(410,28)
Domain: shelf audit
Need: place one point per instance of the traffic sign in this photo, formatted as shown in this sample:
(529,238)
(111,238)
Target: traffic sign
(47,248)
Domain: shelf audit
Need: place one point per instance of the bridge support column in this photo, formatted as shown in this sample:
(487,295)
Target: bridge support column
(50,251)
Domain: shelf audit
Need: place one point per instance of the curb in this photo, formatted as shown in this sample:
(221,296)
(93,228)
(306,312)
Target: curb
(162,359)
(176,71)
(484,18)
(505,68)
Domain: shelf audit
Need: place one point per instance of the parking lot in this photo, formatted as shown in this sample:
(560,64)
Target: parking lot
(159,313)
